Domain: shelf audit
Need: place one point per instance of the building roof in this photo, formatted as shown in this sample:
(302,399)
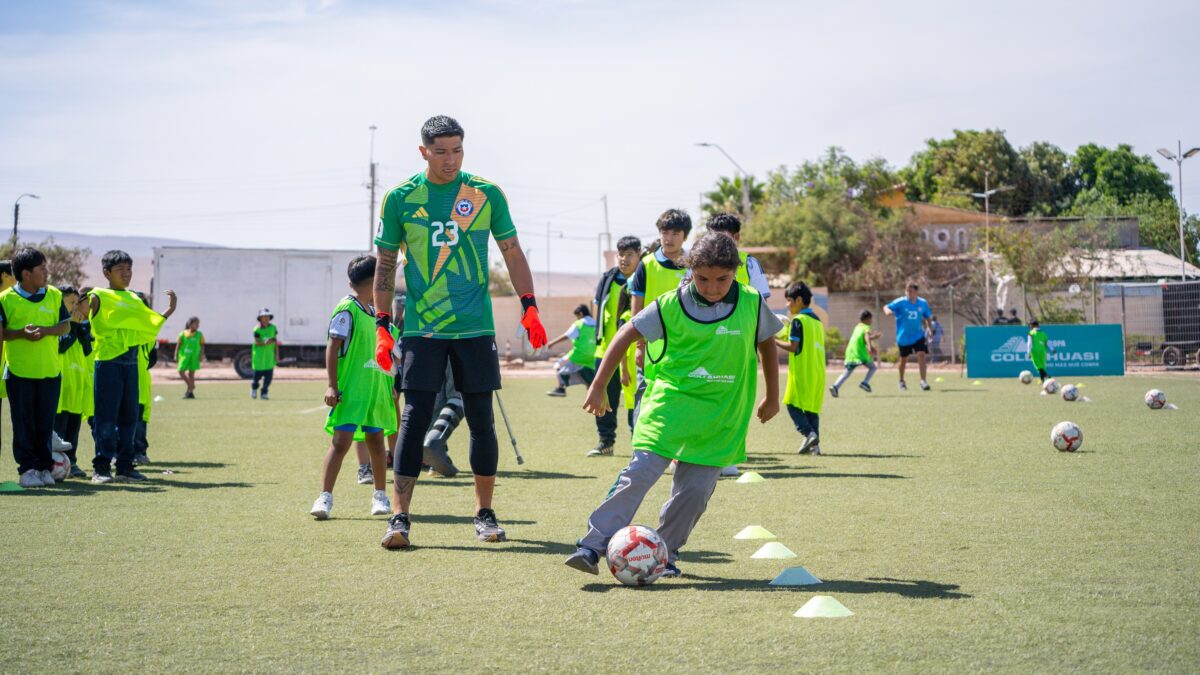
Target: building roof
(1139,263)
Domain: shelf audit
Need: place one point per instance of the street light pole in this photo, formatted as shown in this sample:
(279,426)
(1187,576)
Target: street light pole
(986,195)
(745,178)
(1178,156)
(17,214)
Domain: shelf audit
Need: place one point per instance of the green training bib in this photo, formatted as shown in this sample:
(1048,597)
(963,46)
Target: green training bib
(366,390)
(699,408)
(122,321)
(26,358)
(583,352)
(262,357)
(806,370)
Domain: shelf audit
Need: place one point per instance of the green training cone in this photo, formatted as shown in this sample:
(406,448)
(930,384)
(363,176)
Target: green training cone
(939,378)
(750,477)
(822,607)
(754,532)
(795,576)
(773,551)
(11,486)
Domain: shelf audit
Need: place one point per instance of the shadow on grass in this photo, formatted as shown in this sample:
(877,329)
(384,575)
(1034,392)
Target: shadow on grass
(539,475)
(867,455)
(161,465)
(827,474)
(511,546)
(916,589)
(85,489)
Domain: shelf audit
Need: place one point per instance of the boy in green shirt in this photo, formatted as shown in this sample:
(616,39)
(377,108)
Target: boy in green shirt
(860,351)
(189,352)
(714,333)
(578,365)
(31,312)
(76,398)
(1037,346)
(265,353)
(806,367)
(359,394)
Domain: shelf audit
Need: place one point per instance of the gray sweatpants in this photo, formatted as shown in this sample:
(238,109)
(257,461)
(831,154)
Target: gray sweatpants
(691,488)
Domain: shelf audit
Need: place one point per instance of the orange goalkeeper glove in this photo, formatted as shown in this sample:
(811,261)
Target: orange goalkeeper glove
(532,322)
(384,342)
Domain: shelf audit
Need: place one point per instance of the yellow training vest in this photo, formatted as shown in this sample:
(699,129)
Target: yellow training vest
(34,360)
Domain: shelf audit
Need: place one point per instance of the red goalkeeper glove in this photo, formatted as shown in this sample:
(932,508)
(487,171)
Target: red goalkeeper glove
(384,342)
(532,322)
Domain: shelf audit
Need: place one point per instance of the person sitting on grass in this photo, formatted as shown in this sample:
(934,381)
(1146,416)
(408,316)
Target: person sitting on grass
(806,367)
(30,312)
(121,323)
(189,352)
(860,351)
(264,353)
(578,365)
(359,393)
(714,332)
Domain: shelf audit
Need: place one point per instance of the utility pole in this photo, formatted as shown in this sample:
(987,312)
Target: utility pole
(373,215)
(986,195)
(1178,156)
(17,214)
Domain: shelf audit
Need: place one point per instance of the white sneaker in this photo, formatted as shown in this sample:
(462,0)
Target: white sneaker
(322,506)
(47,479)
(31,479)
(728,471)
(380,504)
(253,393)
(57,444)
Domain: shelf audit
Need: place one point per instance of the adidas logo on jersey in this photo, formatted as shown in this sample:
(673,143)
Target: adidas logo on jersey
(702,373)
(722,330)
(420,212)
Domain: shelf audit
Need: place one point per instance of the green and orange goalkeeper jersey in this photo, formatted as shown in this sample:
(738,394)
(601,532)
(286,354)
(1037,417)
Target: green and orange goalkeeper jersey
(443,232)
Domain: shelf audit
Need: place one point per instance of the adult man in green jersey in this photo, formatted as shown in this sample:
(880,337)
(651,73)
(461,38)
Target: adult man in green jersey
(442,219)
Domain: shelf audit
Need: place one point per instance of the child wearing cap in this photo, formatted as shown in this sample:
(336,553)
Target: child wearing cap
(265,352)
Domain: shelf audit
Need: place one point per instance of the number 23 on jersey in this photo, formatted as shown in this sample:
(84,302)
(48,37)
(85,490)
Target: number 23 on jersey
(444,234)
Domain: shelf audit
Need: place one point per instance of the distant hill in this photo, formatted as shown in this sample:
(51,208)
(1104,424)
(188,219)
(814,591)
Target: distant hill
(138,247)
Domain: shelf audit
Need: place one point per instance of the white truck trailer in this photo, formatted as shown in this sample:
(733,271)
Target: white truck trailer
(225,288)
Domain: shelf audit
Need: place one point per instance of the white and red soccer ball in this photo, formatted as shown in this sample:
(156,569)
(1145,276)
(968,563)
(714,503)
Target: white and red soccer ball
(1156,399)
(1026,377)
(1066,437)
(62,466)
(1070,392)
(1050,386)
(637,556)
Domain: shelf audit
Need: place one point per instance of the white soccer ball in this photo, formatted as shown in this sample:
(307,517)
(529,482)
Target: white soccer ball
(1066,437)
(62,466)
(1070,392)
(1026,377)
(637,556)
(1050,386)
(1156,399)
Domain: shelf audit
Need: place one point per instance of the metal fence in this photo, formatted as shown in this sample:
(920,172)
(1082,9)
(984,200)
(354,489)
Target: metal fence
(1160,321)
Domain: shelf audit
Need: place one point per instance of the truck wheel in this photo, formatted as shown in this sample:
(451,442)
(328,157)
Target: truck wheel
(243,364)
(1172,356)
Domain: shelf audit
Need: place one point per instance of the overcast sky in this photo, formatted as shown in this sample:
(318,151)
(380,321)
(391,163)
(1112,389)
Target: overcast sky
(244,123)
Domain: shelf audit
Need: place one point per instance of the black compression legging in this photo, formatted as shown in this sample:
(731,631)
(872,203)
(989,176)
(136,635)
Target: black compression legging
(418,415)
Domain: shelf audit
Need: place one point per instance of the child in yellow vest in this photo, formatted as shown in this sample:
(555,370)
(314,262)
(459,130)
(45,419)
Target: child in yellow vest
(189,352)
(77,398)
(7,281)
(715,332)
(33,316)
(806,367)
(121,323)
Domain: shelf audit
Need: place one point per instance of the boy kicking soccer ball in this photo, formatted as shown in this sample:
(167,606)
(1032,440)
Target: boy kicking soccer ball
(1037,346)
(359,393)
(860,351)
(714,333)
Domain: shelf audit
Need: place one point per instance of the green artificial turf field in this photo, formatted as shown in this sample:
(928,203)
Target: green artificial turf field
(945,521)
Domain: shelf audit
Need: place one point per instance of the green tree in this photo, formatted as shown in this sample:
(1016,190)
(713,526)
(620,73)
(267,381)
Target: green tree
(1120,174)
(958,164)
(1051,179)
(65,263)
(726,196)
(1158,220)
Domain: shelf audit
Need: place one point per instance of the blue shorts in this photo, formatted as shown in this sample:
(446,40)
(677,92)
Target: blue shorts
(354,427)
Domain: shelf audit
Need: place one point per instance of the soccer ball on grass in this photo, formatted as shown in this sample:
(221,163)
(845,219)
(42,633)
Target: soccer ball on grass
(1070,392)
(1026,377)
(62,466)
(1156,399)
(1066,437)
(1050,386)
(637,556)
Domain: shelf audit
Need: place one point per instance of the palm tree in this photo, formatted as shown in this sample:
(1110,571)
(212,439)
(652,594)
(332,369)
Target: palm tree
(726,196)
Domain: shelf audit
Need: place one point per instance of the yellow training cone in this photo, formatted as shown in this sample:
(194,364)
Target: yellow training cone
(977,382)
(754,532)
(822,606)
(750,477)
(773,551)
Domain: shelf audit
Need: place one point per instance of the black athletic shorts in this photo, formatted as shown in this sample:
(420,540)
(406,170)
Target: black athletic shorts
(918,346)
(474,362)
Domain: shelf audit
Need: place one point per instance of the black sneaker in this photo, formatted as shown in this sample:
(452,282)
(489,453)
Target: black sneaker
(365,475)
(397,532)
(671,571)
(833,391)
(77,472)
(903,387)
(140,459)
(101,476)
(584,559)
(486,527)
(557,392)
(809,441)
(601,450)
(865,387)
(265,397)
(129,476)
